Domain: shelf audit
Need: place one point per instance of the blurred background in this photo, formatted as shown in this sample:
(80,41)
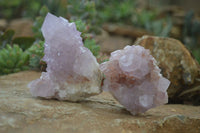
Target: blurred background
(106,25)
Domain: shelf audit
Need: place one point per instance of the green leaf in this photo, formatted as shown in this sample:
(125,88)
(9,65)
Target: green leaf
(91,44)
(12,59)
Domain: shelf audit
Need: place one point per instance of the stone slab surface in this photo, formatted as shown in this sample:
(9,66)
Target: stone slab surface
(21,113)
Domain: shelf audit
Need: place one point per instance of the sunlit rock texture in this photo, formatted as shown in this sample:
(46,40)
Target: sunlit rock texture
(72,71)
(134,79)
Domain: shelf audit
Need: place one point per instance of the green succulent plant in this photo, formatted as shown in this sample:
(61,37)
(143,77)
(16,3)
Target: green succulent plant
(91,44)
(36,52)
(88,40)
(81,26)
(117,11)
(13,59)
(38,23)
(30,9)
(86,11)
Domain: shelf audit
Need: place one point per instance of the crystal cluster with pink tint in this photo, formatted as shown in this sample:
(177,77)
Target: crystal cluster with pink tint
(72,71)
(131,74)
(134,79)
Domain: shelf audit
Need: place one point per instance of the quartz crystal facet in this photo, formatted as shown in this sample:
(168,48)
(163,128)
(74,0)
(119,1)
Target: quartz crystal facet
(134,79)
(72,71)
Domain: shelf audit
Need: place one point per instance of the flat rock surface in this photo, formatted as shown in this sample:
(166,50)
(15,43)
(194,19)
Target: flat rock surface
(21,113)
(22,27)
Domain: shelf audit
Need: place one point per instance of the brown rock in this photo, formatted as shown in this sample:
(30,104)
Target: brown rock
(3,24)
(21,113)
(125,30)
(22,27)
(110,43)
(176,64)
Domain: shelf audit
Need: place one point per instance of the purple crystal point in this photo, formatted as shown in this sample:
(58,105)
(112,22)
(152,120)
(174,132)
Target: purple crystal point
(134,79)
(72,71)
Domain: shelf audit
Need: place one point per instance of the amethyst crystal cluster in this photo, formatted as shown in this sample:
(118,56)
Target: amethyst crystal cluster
(134,79)
(72,71)
(131,74)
